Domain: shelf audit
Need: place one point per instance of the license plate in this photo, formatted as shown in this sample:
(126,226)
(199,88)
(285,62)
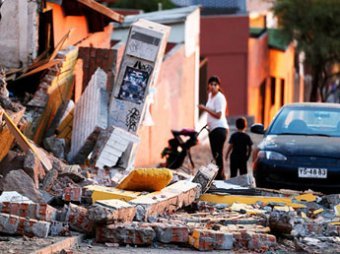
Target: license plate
(312,172)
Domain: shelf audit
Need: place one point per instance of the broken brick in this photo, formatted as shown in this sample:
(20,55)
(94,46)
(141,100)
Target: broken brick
(171,232)
(12,224)
(78,219)
(127,233)
(29,210)
(203,239)
(72,194)
(111,211)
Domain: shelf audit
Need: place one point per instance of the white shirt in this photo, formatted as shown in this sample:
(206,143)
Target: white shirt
(218,103)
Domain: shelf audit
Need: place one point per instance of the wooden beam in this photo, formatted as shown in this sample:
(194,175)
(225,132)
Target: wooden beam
(25,144)
(115,16)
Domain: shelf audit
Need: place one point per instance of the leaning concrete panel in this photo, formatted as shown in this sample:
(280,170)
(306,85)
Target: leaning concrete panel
(141,61)
(90,116)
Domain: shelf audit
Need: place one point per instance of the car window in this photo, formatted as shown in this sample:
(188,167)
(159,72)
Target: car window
(308,121)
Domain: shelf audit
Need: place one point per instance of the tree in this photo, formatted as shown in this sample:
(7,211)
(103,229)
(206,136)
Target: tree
(145,5)
(315,25)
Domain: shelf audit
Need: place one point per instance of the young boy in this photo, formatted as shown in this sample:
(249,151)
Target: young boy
(240,147)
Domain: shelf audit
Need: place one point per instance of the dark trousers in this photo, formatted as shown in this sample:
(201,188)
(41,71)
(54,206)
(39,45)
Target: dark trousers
(237,163)
(217,138)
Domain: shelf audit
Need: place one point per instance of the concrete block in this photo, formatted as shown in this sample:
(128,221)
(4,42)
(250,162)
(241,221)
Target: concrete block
(127,233)
(205,175)
(111,211)
(167,200)
(110,145)
(90,116)
(15,197)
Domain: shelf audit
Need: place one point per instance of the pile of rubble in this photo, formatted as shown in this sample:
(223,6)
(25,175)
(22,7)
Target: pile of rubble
(71,183)
(44,195)
(67,198)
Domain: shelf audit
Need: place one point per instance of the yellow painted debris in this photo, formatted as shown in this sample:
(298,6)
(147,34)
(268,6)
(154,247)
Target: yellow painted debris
(104,193)
(146,179)
(316,212)
(236,207)
(337,210)
(283,208)
(308,197)
(303,215)
(250,200)
(337,223)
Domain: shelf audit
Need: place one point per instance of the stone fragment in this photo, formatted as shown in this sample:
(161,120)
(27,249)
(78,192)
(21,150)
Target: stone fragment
(49,180)
(33,167)
(56,146)
(59,228)
(73,172)
(127,233)
(18,180)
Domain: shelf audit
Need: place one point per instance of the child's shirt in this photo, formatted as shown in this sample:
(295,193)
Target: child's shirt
(240,141)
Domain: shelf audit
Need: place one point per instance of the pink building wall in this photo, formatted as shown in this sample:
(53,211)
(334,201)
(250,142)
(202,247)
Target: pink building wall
(224,42)
(173,107)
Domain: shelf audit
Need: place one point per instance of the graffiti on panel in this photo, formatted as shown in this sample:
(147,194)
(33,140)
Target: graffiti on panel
(134,85)
(143,46)
(132,119)
(144,67)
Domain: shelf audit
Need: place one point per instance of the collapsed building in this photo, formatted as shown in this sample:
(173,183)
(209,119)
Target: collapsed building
(72,104)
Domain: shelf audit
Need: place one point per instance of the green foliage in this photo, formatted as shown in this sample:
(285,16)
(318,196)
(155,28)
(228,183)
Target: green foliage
(145,5)
(315,25)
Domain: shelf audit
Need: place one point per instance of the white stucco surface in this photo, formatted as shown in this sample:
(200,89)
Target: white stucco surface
(18,33)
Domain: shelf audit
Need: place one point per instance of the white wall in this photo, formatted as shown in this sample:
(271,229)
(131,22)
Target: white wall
(18,33)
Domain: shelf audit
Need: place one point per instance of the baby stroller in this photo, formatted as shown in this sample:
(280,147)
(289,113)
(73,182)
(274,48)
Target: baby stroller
(179,147)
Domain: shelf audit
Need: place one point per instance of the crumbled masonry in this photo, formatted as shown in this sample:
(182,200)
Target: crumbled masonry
(69,131)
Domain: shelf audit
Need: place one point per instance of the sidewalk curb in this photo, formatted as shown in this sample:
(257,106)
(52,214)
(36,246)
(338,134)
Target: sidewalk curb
(63,244)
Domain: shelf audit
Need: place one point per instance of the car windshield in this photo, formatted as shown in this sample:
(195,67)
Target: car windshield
(316,121)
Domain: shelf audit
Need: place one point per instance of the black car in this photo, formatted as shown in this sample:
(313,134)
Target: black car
(300,149)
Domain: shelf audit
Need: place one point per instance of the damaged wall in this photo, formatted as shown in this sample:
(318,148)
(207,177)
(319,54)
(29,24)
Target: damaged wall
(80,34)
(18,33)
(174,106)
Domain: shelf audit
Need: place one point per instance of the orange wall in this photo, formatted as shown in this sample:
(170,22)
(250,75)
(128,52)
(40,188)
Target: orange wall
(265,63)
(282,67)
(224,42)
(258,70)
(79,30)
(173,108)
